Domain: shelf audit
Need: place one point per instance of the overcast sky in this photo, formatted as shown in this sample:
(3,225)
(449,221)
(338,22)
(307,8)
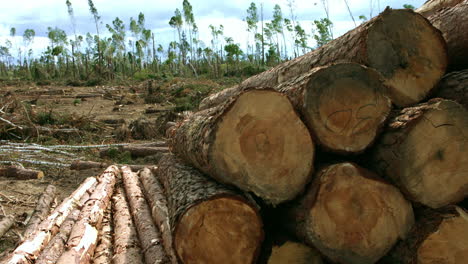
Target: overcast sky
(40,14)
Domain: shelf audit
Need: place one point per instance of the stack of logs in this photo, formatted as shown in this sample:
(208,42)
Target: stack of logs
(329,157)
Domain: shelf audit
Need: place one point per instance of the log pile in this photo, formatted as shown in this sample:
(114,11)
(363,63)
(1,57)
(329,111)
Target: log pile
(338,156)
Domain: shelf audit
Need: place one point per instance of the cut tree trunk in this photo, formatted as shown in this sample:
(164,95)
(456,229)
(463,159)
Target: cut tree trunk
(411,59)
(454,86)
(350,215)
(453,23)
(291,252)
(210,223)
(126,245)
(135,151)
(150,237)
(242,142)
(158,203)
(56,246)
(103,252)
(28,251)
(84,235)
(6,223)
(425,152)
(439,237)
(86,165)
(20,173)
(41,211)
(343,105)
(431,7)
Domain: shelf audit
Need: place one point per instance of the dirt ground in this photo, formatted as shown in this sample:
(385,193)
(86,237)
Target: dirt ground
(106,108)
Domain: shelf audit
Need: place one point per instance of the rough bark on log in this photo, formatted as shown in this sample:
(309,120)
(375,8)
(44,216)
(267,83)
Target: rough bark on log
(350,215)
(135,151)
(431,7)
(210,223)
(20,173)
(242,142)
(83,237)
(103,252)
(453,23)
(454,86)
(157,201)
(6,223)
(424,151)
(126,244)
(29,250)
(56,246)
(41,211)
(150,237)
(411,59)
(439,237)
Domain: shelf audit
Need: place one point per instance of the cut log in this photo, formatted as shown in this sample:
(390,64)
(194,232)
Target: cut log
(431,7)
(350,215)
(6,223)
(424,151)
(20,173)
(454,86)
(453,23)
(439,237)
(135,151)
(150,237)
(157,201)
(126,244)
(210,223)
(292,252)
(86,165)
(56,246)
(29,250)
(411,59)
(242,142)
(84,234)
(41,211)
(103,252)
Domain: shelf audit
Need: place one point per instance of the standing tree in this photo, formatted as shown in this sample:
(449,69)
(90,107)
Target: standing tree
(97,22)
(252,27)
(324,34)
(74,42)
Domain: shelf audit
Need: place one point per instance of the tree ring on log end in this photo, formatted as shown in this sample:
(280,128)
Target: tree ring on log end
(355,217)
(221,230)
(345,106)
(264,146)
(409,52)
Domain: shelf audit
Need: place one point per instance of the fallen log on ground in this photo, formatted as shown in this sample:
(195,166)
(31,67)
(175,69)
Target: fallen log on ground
(29,250)
(41,211)
(242,142)
(135,151)
(84,234)
(454,86)
(439,237)
(410,66)
(154,194)
(126,245)
(150,237)
(424,151)
(20,173)
(453,23)
(350,215)
(6,223)
(56,246)
(210,223)
(104,249)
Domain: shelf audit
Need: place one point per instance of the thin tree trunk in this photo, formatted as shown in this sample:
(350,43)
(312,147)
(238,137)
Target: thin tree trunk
(41,211)
(6,223)
(104,249)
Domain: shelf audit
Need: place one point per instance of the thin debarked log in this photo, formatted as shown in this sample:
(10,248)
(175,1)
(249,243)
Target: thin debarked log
(158,203)
(104,249)
(86,165)
(6,223)
(150,236)
(210,222)
(28,251)
(126,244)
(83,237)
(41,211)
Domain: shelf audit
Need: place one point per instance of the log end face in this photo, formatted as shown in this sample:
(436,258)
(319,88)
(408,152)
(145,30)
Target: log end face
(356,218)
(251,146)
(294,253)
(345,106)
(409,52)
(222,230)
